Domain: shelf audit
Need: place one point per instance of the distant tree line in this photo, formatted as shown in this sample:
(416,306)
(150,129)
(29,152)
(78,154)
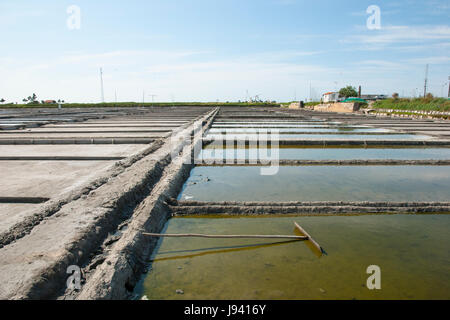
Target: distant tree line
(33,99)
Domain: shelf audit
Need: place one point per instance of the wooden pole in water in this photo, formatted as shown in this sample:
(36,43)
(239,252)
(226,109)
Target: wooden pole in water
(309,237)
(195,235)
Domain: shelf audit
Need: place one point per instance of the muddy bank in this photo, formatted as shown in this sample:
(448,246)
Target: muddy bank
(302,210)
(174,203)
(180,208)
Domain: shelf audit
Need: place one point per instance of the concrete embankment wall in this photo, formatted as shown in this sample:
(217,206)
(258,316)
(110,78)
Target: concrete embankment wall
(337,107)
(92,225)
(119,272)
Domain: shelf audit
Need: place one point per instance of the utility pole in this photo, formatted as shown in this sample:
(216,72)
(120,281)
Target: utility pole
(101,85)
(426,82)
(448,87)
(153,96)
(310,91)
(143,96)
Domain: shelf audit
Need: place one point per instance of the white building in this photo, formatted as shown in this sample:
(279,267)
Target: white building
(330,97)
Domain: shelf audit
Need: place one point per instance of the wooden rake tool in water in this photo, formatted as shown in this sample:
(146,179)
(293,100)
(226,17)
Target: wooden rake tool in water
(319,250)
(304,236)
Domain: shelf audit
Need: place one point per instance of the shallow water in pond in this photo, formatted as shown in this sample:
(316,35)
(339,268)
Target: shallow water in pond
(411,251)
(324,136)
(319,183)
(274,125)
(211,152)
(279,127)
(324,129)
(268,121)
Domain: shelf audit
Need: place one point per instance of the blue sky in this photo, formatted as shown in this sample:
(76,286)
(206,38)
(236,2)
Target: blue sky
(200,50)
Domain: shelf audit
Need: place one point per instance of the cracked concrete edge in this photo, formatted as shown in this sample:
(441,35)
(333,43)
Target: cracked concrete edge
(126,259)
(123,267)
(104,204)
(49,208)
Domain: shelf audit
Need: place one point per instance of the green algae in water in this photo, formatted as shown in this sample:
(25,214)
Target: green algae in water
(319,183)
(411,250)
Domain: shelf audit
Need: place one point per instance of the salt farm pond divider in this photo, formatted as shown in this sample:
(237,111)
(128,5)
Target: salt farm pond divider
(203,214)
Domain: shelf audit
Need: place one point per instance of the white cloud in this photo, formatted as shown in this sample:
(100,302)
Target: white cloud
(11,13)
(118,55)
(402,34)
(431,60)
(381,64)
(74,77)
(274,75)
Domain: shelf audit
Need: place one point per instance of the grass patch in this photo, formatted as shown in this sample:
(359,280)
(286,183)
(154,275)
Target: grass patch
(421,104)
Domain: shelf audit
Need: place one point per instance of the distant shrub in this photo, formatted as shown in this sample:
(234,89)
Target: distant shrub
(348,92)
